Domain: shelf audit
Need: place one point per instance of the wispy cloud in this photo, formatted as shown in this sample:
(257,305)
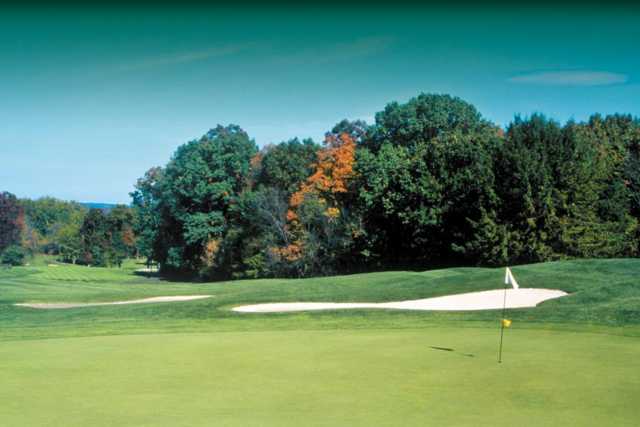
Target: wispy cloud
(181,57)
(571,78)
(338,52)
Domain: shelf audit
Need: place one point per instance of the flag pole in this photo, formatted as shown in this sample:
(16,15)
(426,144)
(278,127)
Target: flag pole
(504,307)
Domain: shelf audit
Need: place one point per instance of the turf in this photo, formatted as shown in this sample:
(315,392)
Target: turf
(438,376)
(571,361)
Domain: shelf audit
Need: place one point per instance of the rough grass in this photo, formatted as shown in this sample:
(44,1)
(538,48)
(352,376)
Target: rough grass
(570,361)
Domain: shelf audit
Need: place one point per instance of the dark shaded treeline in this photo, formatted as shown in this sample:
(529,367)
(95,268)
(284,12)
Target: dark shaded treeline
(431,183)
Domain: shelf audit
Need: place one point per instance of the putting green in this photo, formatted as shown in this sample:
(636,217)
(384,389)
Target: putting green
(430,376)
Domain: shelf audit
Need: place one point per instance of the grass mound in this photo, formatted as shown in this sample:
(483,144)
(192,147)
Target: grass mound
(604,293)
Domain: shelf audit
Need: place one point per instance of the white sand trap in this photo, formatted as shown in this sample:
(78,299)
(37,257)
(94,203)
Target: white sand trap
(484,300)
(55,305)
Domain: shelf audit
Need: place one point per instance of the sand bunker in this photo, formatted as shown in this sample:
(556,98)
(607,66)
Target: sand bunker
(54,305)
(484,300)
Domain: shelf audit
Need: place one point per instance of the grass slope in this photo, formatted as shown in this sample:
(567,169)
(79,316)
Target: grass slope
(570,361)
(603,293)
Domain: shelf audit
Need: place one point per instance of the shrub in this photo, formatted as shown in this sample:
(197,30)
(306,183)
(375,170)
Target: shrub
(13,255)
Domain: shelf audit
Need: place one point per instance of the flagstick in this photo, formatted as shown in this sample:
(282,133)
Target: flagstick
(504,307)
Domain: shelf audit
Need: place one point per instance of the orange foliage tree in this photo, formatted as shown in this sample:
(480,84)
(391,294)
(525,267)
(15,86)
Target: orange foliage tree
(333,170)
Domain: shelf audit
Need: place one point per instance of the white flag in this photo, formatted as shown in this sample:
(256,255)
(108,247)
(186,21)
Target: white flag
(510,280)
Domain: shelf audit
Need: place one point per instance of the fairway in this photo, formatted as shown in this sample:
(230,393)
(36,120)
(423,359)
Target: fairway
(569,361)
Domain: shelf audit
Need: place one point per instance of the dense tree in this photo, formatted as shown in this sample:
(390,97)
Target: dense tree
(256,221)
(524,171)
(11,220)
(107,239)
(469,232)
(430,183)
(318,215)
(358,131)
(146,204)
(427,203)
(44,213)
(424,118)
(45,219)
(426,183)
(69,240)
(199,185)
(95,239)
(632,169)
(399,198)
(562,192)
(122,244)
(284,166)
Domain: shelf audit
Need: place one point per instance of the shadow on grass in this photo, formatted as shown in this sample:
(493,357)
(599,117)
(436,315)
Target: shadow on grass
(451,350)
(148,274)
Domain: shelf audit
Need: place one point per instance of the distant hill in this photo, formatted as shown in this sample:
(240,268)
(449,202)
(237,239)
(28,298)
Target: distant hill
(96,205)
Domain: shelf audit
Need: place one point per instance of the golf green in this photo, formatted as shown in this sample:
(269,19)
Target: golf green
(435,376)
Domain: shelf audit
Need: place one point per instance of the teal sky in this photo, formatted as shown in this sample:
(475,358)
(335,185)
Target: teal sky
(91,99)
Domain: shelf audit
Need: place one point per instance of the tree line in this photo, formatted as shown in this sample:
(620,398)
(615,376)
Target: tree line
(430,183)
(67,230)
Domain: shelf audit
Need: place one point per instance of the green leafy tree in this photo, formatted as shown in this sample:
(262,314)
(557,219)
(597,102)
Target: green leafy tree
(11,220)
(616,137)
(431,183)
(358,131)
(69,241)
(468,231)
(199,185)
(426,182)
(13,255)
(44,213)
(286,165)
(563,192)
(524,172)
(45,217)
(95,239)
(107,239)
(146,209)
(400,202)
(424,118)
(258,221)
(632,169)
(122,242)
(326,239)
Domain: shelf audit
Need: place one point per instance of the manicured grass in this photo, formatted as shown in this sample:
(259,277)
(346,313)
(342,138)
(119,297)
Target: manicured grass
(312,378)
(570,361)
(604,293)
